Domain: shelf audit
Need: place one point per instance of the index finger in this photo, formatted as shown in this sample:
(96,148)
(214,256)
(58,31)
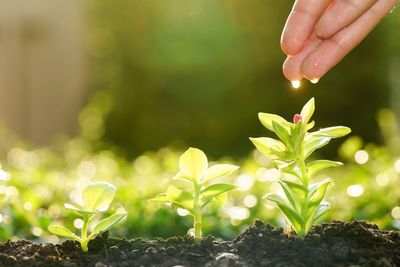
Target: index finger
(300,24)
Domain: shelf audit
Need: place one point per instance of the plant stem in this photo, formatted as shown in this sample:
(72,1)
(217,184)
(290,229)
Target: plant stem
(84,232)
(304,204)
(197,213)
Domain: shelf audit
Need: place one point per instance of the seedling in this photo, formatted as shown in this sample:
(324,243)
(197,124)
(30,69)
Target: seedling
(303,205)
(194,169)
(97,198)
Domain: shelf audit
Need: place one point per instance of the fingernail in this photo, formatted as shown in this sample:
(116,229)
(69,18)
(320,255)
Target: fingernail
(295,84)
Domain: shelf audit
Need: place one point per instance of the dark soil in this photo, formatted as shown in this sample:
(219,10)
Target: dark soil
(336,243)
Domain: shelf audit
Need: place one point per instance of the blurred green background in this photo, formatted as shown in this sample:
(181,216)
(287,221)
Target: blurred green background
(164,75)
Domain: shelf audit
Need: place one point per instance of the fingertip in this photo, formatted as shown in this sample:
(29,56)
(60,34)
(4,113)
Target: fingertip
(311,68)
(291,69)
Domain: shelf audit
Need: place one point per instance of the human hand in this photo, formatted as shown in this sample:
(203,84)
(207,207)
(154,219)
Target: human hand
(319,33)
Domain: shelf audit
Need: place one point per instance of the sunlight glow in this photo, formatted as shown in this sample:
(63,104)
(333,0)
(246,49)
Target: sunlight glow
(396,212)
(250,201)
(361,156)
(397,165)
(355,190)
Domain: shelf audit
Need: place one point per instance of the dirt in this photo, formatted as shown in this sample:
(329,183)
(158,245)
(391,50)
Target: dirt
(356,243)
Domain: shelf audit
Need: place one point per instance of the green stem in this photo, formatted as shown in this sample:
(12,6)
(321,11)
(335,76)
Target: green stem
(197,213)
(304,205)
(84,233)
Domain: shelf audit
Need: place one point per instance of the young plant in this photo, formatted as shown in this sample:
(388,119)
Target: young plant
(96,197)
(194,169)
(303,205)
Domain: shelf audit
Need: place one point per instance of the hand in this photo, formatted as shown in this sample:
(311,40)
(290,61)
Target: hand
(319,33)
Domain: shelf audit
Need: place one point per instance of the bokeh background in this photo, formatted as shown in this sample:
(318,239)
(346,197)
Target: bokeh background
(116,90)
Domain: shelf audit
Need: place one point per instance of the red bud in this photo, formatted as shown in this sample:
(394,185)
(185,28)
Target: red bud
(297,118)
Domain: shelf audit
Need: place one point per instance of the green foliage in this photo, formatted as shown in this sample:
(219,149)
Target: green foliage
(194,169)
(304,202)
(96,197)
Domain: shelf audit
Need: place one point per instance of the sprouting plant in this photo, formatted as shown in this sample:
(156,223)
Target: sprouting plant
(303,205)
(194,169)
(97,198)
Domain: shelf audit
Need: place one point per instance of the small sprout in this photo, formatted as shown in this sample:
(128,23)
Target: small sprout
(303,204)
(194,169)
(97,198)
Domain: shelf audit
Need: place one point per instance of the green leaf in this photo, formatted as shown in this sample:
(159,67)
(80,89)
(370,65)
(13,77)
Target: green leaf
(266,120)
(317,192)
(297,137)
(98,196)
(288,166)
(321,210)
(294,218)
(291,195)
(310,125)
(106,224)
(78,210)
(217,171)
(180,198)
(62,231)
(281,132)
(193,163)
(181,176)
(307,111)
(221,199)
(315,166)
(333,132)
(314,144)
(161,198)
(268,146)
(294,185)
(215,190)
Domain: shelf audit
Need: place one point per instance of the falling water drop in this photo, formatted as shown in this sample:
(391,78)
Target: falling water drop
(296,84)
(314,81)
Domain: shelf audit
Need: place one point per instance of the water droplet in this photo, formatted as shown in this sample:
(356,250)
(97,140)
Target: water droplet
(296,84)
(314,81)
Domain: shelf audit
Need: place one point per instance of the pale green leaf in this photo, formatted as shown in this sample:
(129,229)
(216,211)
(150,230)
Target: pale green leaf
(310,125)
(307,111)
(281,132)
(267,146)
(180,198)
(106,224)
(321,210)
(78,210)
(297,137)
(288,166)
(333,132)
(161,198)
(315,166)
(290,195)
(62,231)
(294,218)
(217,171)
(193,163)
(215,190)
(98,196)
(317,192)
(266,120)
(181,176)
(315,144)
(221,199)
